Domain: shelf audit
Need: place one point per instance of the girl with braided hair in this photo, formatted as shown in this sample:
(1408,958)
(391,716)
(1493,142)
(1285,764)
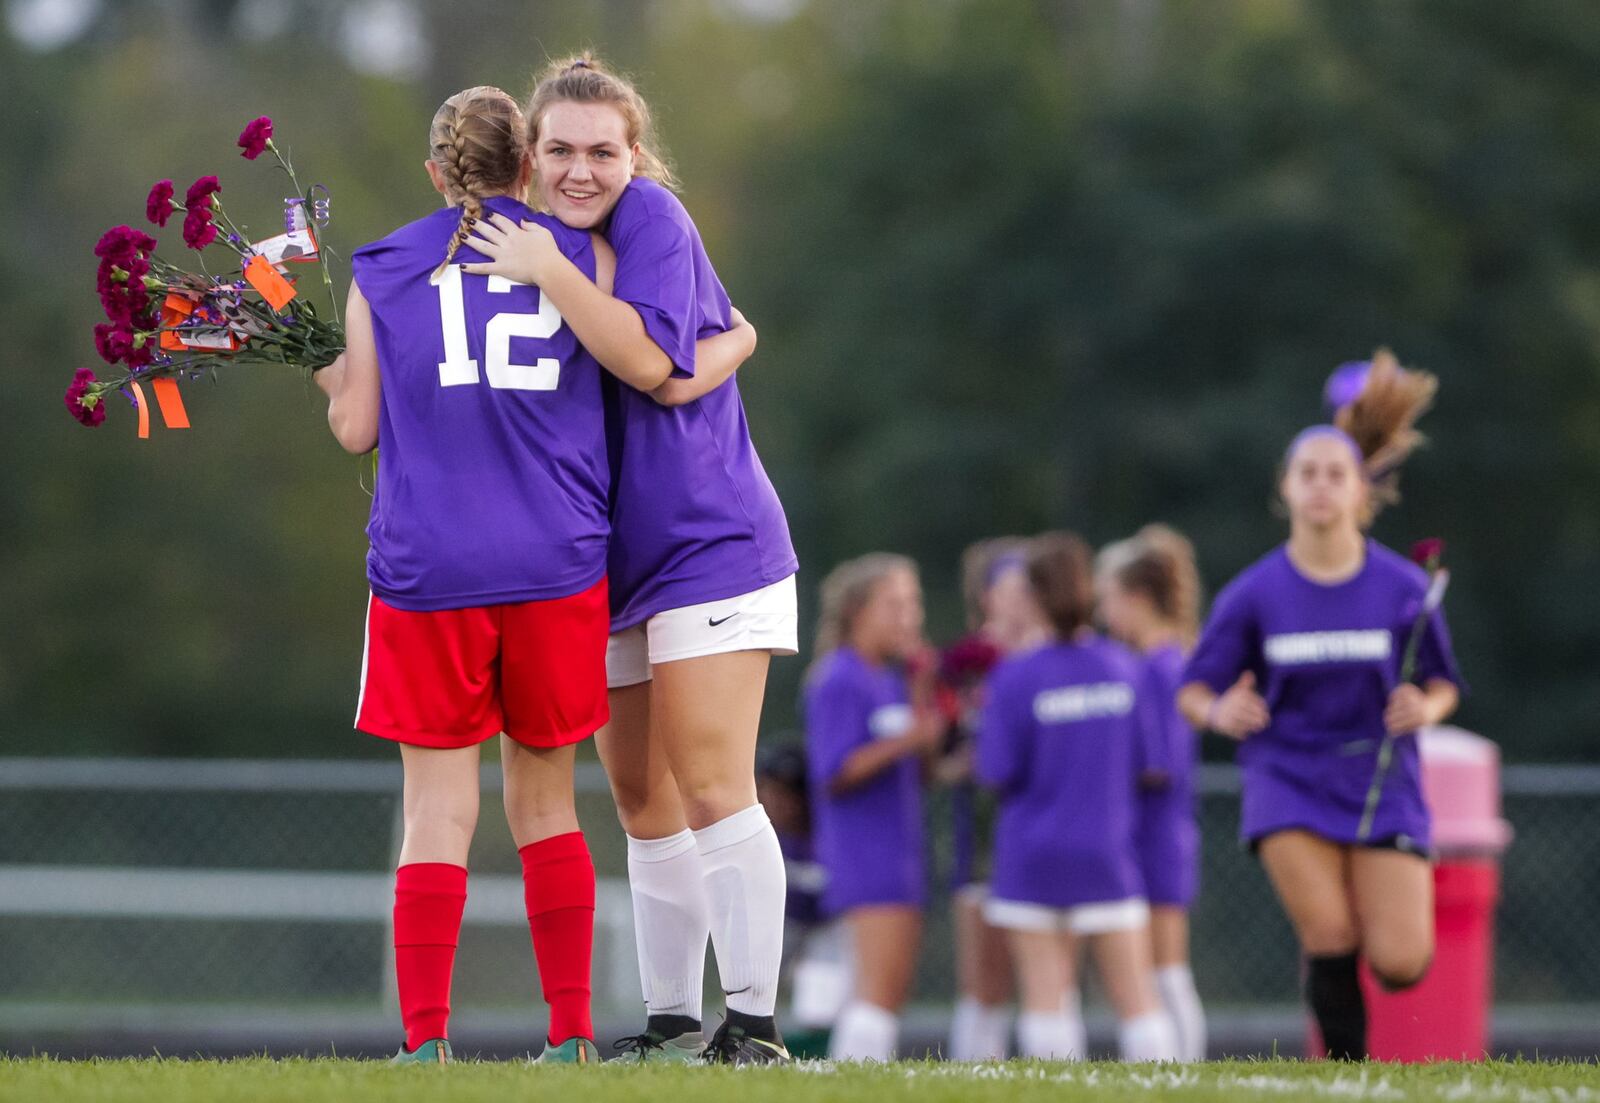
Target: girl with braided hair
(487,565)
(1300,662)
(701,568)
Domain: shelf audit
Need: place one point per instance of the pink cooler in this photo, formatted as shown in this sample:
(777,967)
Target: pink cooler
(1446,1017)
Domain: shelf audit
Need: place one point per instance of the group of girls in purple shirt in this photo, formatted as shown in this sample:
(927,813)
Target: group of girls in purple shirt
(1086,744)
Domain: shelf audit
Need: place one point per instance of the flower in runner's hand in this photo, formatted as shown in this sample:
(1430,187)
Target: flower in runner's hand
(1428,553)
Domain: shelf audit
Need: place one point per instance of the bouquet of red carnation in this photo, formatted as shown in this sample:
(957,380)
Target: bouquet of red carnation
(165,323)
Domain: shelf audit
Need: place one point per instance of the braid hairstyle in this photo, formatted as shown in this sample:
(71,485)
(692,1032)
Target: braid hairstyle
(583,78)
(1382,421)
(479,141)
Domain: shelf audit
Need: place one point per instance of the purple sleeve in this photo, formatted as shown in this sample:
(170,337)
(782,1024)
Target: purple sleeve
(656,276)
(1004,728)
(837,711)
(1230,643)
(1151,740)
(1436,657)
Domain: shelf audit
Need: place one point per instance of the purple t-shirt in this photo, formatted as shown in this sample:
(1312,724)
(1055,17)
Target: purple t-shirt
(492,473)
(1325,658)
(694,515)
(1060,742)
(870,839)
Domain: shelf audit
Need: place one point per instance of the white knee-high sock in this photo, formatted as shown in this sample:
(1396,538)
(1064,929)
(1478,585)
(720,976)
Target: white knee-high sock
(864,1032)
(1147,1038)
(1051,1036)
(745,885)
(979,1032)
(671,922)
(1182,1001)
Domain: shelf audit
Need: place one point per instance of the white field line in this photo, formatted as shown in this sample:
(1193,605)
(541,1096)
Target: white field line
(1371,1083)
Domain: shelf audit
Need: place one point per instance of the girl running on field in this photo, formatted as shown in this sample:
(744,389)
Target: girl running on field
(1149,592)
(701,567)
(869,733)
(1300,663)
(487,566)
(1060,738)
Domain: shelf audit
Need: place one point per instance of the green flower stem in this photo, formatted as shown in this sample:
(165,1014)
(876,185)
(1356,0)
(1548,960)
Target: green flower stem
(322,253)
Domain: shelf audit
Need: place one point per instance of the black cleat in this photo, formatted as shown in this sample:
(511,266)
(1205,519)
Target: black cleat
(733,1045)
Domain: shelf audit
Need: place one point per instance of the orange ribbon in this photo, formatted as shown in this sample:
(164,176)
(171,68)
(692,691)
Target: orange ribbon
(170,403)
(144,411)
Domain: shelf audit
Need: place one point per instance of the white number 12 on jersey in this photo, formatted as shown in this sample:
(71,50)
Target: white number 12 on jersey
(459,368)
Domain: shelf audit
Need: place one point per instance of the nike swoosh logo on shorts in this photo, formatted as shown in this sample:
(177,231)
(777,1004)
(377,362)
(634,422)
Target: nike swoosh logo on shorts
(724,620)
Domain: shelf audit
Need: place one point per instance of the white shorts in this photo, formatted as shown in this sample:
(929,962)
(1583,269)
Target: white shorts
(1098,918)
(767,619)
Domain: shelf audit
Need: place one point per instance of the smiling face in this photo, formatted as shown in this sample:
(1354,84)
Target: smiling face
(582,161)
(1324,486)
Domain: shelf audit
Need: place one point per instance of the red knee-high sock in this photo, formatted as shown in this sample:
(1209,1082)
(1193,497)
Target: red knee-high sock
(558,884)
(428,900)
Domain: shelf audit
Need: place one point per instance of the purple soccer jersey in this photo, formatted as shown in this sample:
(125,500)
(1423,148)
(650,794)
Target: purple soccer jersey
(1167,835)
(1060,741)
(1325,658)
(870,839)
(694,515)
(492,475)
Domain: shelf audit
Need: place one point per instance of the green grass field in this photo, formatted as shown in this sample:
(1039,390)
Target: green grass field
(315,1081)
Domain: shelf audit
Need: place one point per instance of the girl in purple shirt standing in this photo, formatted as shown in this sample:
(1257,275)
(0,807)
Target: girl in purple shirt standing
(868,734)
(1060,741)
(701,568)
(1300,662)
(1149,593)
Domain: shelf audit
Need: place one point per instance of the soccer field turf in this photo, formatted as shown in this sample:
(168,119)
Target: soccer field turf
(331,1080)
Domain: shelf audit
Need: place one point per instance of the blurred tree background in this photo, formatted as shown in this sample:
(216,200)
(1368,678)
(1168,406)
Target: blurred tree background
(1016,264)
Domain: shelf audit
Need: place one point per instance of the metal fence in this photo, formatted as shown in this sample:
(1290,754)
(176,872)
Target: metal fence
(192,891)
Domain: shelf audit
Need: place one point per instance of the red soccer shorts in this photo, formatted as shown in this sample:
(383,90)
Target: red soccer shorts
(455,677)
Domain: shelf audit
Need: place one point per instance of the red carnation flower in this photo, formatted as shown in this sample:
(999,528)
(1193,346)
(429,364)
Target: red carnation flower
(89,412)
(201,191)
(158,207)
(198,229)
(113,342)
(254,138)
(121,244)
(1428,553)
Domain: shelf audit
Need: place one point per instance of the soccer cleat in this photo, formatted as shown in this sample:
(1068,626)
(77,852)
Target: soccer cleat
(435,1051)
(573,1051)
(732,1045)
(651,1048)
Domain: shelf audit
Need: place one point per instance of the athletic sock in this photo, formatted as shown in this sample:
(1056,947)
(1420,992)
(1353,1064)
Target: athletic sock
(429,898)
(979,1032)
(1149,1037)
(670,923)
(864,1032)
(1333,988)
(745,889)
(558,886)
(1182,1001)
(1051,1036)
